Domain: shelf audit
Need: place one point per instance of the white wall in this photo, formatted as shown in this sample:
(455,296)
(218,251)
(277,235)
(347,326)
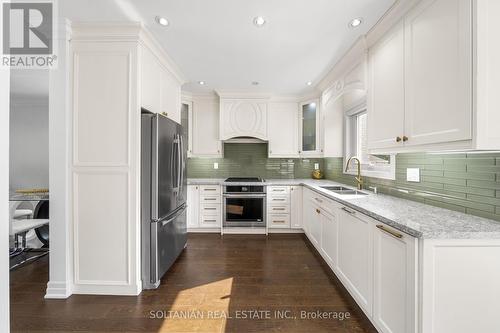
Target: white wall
(4,201)
(29,143)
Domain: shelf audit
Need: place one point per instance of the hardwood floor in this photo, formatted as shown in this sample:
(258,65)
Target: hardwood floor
(214,283)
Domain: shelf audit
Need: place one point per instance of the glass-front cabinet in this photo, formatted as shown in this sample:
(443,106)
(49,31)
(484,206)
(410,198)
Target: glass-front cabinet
(186,122)
(309,129)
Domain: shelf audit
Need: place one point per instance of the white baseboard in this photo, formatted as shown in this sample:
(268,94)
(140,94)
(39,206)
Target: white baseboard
(285,231)
(57,290)
(204,230)
(113,290)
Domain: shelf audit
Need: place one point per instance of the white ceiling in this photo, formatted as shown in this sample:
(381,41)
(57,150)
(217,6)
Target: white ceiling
(215,41)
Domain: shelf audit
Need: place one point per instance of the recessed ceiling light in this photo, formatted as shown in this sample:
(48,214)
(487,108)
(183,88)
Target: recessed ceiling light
(161,21)
(355,22)
(309,83)
(202,83)
(259,21)
(255,83)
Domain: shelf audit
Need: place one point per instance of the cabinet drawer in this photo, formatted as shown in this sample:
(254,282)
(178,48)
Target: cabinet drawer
(210,209)
(278,209)
(279,221)
(210,199)
(208,221)
(278,200)
(283,190)
(209,189)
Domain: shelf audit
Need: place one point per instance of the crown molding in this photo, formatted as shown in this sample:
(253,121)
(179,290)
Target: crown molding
(126,32)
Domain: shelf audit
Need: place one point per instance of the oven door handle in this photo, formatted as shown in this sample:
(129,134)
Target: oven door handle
(245,195)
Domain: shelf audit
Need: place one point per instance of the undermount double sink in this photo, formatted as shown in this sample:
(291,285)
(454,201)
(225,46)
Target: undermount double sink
(341,190)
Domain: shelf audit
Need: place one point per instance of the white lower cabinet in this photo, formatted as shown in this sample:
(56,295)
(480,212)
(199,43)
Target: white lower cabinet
(394,275)
(315,223)
(193,206)
(355,256)
(329,237)
(204,208)
(296,207)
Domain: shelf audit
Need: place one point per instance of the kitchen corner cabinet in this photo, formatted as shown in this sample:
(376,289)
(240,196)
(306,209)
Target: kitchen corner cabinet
(205,137)
(451,75)
(160,91)
(284,129)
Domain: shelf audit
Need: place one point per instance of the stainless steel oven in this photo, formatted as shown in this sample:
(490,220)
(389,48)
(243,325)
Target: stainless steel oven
(244,205)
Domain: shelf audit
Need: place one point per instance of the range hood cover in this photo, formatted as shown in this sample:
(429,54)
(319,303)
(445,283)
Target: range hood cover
(244,139)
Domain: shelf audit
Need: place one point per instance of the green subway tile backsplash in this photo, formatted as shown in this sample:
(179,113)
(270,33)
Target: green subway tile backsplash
(469,183)
(250,160)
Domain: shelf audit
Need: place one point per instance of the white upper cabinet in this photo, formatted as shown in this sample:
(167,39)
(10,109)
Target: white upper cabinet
(205,137)
(243,118)
(309,130)
(386,91)
(170,97)
(283,129)
(151,81)
(160,90)
(438,85)
(431,88)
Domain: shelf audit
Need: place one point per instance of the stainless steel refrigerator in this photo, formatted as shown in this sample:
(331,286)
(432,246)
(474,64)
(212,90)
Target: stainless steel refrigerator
(163,195)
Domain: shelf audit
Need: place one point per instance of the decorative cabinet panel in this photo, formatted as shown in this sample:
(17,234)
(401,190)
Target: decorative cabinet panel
(386,101)
(243,118)
(329,237)
(283,129)
(205,137)
(170,97)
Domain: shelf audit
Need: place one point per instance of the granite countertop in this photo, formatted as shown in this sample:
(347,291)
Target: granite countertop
(413,218)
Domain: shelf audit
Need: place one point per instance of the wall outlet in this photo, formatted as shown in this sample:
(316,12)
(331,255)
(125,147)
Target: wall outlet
(316,166)
(216,165)
(413,175)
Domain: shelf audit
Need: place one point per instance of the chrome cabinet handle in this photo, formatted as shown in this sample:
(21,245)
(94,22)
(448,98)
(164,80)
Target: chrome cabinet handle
(389,231)
(348,211)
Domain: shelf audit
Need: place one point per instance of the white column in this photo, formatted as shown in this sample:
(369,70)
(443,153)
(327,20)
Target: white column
(60,273)
(4,199)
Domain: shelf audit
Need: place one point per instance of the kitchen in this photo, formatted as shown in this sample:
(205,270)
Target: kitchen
(337,158)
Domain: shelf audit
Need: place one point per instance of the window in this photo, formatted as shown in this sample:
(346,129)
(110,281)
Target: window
(379,166)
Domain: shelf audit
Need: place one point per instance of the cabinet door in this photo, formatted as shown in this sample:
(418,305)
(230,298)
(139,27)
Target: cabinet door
(386,105)
(438,72)
(296,207)
(150,81)
(307,210)
(355,260)
(193,206)
(205,134)
(170,96)
(283,130)
(315,225)
(329,241)
(310,143)
(395,280)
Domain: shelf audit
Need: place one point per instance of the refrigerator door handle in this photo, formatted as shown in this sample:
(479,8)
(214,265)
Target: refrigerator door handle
(154,169)
(179,164)
(181,153)
(165,222)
